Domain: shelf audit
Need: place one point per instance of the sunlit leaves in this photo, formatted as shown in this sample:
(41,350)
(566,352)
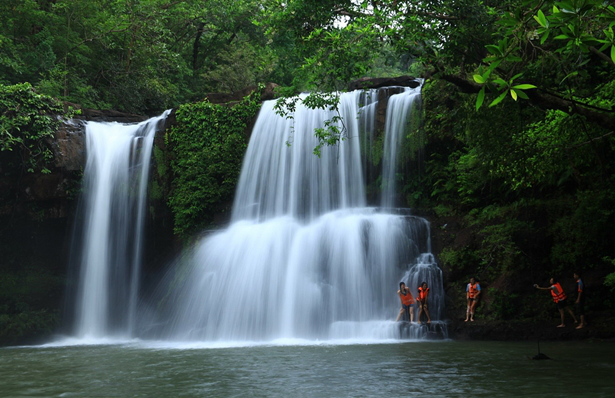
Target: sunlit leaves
(578,26)
(481,98)
(541,19)
(570,33)
(479,79)
(516,91)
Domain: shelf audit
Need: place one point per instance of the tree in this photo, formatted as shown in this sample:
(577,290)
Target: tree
(136,56)
(27,120)
(533,172)
(502,47)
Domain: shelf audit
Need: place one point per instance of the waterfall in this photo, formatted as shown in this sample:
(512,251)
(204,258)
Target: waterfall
(112,212)
(278,180)
(304,256)
(398,123)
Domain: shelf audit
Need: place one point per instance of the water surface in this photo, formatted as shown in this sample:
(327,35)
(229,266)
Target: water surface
(418,368)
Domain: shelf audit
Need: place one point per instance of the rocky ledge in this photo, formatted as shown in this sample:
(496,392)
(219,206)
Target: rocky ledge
(601,326)
(368,82)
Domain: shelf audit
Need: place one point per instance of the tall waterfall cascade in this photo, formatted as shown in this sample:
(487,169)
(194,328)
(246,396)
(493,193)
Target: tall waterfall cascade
(112,213)
(305,257)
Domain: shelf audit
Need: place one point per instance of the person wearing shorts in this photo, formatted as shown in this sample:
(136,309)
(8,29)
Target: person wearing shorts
(407,303)
(559,297)
(472,294)
(422,301)
(579,304)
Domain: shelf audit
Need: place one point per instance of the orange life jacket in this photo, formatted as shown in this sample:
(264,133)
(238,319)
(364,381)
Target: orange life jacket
(407,299)
(423,293)
(472,290)
(560,295)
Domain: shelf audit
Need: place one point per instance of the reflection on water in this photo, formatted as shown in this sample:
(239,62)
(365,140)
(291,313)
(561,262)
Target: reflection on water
(436,369)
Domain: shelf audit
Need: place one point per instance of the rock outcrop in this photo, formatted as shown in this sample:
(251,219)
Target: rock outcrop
(368,82)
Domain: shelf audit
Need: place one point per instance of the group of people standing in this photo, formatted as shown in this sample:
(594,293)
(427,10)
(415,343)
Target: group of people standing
(473,294)
(560,299)
(408,302)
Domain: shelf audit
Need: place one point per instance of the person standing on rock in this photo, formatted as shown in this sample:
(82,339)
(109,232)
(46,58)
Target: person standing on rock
(407,303)
(579,304)
(422,300)
(472,293)
(559,297)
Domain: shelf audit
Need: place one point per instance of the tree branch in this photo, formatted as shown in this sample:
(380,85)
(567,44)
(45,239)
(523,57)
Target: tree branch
(592,140)
(602,55)
(604,118)
(545,100)
(466,86)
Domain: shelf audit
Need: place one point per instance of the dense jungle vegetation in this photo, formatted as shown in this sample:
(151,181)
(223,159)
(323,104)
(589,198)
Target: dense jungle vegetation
(518,164)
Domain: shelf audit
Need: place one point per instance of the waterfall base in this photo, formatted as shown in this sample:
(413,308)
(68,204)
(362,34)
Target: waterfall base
(436,330)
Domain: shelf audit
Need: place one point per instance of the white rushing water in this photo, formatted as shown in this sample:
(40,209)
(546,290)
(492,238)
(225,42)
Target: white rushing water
(305,257)
(399,110)
(115,186)
(279,180)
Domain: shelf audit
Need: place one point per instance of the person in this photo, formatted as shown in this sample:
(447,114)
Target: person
(472,293)
(559,297)
(422,301)
(407,303)
(579,304)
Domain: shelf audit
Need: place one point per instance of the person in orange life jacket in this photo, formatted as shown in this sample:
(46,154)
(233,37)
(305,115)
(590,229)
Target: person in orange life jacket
(559,297)
(579,304)
(422,301)
(472,293)
(407,302)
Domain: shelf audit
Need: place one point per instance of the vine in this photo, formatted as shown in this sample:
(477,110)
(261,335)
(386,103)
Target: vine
(207,146)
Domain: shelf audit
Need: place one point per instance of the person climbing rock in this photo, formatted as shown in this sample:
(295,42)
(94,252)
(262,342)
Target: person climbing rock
(422,301)
(472,294)
(407,303)
(579,304)
(559,297)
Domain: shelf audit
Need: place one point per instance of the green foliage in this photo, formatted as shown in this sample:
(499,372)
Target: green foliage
(609,280)
(26,325)
(503,305)
(207,143)
(582,226)
(334,129)
(459,260)
(499,232)
(339,56)
(27,119)
(137,56)
(26,310)
(570,36)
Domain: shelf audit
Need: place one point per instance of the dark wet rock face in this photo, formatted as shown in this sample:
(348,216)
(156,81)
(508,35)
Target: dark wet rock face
(367,83)
(602,327)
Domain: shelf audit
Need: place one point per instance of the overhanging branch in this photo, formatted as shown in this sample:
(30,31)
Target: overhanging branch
(604,118)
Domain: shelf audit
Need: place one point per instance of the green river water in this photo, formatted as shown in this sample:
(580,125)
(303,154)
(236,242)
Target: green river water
(407,369)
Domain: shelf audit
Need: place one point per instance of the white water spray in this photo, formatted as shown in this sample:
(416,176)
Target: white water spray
(399,110)
(304,258)
(115,185)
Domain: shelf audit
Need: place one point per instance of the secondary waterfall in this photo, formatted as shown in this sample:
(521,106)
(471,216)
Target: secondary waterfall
(112,213)
(305,257)
(398,122)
